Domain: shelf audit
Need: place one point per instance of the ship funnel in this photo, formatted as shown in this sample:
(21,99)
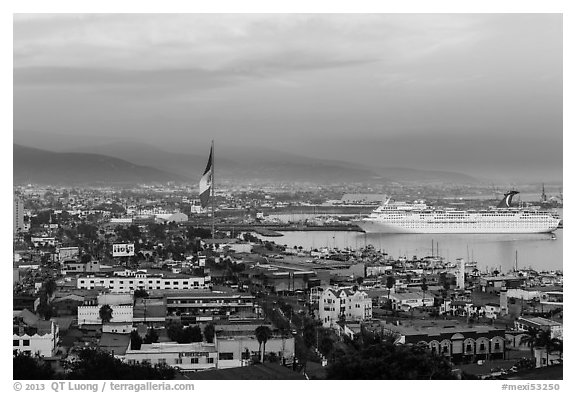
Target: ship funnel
(507,201)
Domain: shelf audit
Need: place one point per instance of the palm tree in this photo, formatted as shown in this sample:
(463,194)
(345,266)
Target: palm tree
(105,313)
(546,341)
(263,333)
(530,338)
(424,287)
(390,282)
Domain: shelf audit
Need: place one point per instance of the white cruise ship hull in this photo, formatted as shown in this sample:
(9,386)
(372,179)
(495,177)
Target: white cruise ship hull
(515,226)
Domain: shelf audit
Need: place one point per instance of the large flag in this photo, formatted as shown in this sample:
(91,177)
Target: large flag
(206,181)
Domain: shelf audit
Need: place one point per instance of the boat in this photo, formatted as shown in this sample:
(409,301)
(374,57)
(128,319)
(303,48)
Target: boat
(418,217)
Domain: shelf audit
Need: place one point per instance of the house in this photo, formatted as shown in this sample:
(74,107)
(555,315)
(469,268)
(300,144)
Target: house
(32,335)
(338,304)
(405,301)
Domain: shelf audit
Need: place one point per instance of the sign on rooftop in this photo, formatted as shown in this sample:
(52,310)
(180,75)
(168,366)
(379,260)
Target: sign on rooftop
(123,250)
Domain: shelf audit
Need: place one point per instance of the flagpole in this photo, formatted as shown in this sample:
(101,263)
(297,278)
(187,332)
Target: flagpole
(213,183)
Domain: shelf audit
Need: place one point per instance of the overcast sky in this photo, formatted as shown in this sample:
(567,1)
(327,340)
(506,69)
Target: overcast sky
(475,93)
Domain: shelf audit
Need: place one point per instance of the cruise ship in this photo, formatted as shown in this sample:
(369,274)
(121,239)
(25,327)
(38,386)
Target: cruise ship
(402,217)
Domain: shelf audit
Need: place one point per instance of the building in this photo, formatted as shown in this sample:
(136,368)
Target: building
(460,343)
(171,217)
(18,210)
(203,306)
(337,304)
(65,253)
(555,328)
(404,301)
(74,266)
(278,278)
(162,281)
(494,284)
(32,335)
(237,345)
(122,313)
(42,241)
(186,357)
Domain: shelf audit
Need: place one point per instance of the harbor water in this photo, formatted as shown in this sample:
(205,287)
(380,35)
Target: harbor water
(542,252)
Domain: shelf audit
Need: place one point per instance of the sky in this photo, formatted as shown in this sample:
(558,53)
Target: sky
(474,93)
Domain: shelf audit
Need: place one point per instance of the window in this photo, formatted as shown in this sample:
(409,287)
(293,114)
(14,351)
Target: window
(178,360)
(226,356)
(194,360)
(497,345)
(210,360)
(26,343)
(469,348)
(482,346)
(16,343)
(161,361)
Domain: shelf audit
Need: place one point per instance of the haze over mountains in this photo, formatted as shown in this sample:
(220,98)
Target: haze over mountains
(132,162)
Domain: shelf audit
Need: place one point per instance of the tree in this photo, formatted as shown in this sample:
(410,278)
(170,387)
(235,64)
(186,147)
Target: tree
(25,367)
(209,332)
(326,345)
(546,341)
(140,293)
(384,360)
(44,308)
(195,334)
(105,313)
(263,333)
(390,282)
(151,337)
(50,287)
(135,340)
(530,338)
(96,364)
(424,287)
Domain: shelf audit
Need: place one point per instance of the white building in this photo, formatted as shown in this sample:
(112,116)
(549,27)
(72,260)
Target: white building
(142,281)
(188,357)
(90,315)
(556,328)
(122,312)
(18,224)
(171,217)
(34,336)
(337,303)
(236,351)
(407,300)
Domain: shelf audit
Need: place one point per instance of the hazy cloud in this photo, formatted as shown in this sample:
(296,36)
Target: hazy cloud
(313,82)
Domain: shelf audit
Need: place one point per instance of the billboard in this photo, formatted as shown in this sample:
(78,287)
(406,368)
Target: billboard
(68,253)
(123,250)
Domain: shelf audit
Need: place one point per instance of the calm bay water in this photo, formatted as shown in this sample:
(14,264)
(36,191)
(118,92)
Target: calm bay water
(538,251)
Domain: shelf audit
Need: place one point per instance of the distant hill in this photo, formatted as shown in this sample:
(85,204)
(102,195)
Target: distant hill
(238,163)
(254,163)
(33,165)
(122,161)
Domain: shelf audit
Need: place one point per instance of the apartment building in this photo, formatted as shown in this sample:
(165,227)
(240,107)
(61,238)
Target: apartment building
(144,281)
(344,303)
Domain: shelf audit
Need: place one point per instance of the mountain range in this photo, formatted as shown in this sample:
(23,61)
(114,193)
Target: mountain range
(134,162)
